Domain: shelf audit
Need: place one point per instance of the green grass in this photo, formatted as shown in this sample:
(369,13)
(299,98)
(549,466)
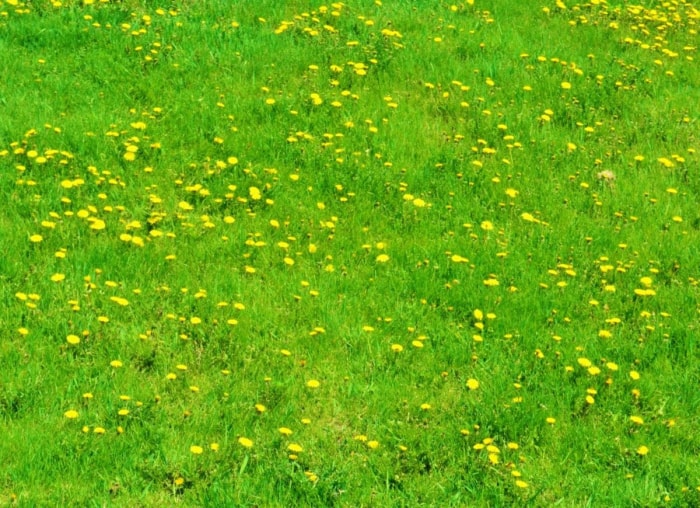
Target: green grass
(487,214)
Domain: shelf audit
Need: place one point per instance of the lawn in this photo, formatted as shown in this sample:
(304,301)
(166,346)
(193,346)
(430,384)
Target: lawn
(364,253)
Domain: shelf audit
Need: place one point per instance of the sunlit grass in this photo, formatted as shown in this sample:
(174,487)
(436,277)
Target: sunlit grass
(361,253)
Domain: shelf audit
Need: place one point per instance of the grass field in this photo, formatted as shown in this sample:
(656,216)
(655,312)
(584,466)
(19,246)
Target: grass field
(367,253)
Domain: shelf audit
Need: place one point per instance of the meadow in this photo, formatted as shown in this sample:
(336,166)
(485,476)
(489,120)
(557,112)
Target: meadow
(363,253)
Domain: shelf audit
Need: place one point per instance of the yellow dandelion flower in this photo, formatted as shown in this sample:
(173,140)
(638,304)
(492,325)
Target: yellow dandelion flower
(245,442)
(584,362)
(382,258)
(642,450)
(593,370)
(254,193)
(295,448)
(98,225)
(473,384)
(313,383)
(71,414)
(119,300)
(73,340)
(197,450)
